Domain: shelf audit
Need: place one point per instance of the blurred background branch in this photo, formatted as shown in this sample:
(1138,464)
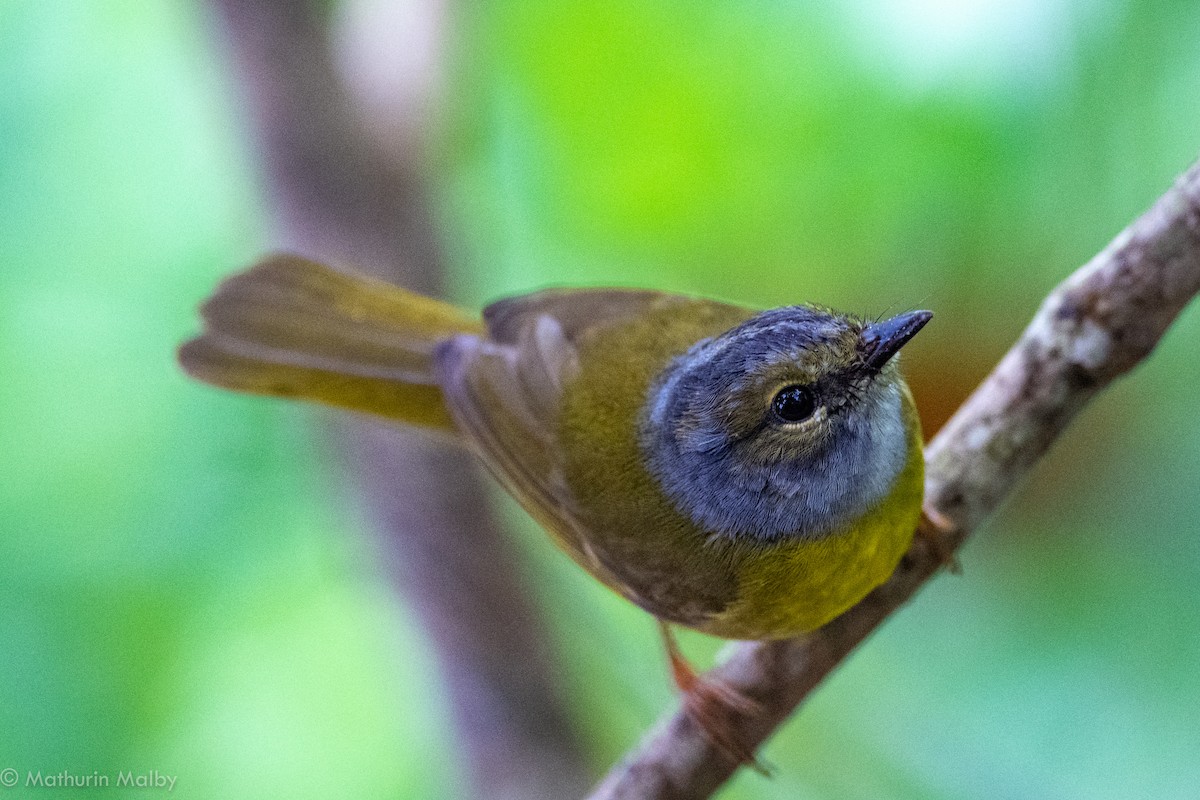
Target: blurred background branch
(340,198)
(1096,326)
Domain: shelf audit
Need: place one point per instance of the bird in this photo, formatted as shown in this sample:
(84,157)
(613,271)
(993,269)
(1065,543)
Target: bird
(747,474)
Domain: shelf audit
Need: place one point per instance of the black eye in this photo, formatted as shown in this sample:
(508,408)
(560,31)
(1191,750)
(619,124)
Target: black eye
(794,403)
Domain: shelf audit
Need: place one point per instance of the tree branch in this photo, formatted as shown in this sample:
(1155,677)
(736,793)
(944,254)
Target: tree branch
(1098,324)
(336,196)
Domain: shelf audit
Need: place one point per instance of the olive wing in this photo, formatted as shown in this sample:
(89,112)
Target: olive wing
(505,391)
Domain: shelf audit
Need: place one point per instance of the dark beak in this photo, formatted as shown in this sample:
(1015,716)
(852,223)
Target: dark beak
(882,340)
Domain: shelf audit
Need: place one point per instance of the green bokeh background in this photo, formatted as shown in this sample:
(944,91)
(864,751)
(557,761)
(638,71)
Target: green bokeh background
(184,586)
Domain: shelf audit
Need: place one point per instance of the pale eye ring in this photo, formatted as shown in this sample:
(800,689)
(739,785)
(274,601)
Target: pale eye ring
(794,403)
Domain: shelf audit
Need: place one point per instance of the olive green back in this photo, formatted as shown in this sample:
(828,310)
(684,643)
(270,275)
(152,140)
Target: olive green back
(663,561)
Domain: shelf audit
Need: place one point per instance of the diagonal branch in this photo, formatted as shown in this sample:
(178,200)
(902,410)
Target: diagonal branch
(1097,325)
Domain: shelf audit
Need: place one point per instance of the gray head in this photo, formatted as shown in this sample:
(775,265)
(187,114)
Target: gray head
(789,424)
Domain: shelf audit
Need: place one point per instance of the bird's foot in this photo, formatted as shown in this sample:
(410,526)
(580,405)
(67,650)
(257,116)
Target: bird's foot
(714,706)
(934,529)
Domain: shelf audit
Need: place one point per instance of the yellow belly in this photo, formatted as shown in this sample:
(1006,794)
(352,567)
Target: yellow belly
(797,586)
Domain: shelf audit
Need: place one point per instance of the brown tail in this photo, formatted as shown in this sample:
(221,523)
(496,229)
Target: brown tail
(291,327)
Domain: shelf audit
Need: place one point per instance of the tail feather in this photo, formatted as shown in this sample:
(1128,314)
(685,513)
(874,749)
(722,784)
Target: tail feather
(291,327)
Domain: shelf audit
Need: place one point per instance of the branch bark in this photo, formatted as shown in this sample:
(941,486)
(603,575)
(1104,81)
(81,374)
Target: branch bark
(1094,327)
(337,197)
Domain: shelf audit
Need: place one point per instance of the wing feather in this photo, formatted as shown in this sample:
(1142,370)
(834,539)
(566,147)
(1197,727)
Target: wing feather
(576,310)
(505,395)
(495,411)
